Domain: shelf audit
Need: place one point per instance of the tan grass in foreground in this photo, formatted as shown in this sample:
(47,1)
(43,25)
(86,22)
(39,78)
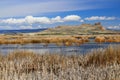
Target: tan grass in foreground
(98,65)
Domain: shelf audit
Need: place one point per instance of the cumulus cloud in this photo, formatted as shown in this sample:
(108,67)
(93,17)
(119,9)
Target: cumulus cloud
(114,27)
(27,19)
(99,18)
(57,19)
(30,22)
(82,20)
(41,20)
(72,18)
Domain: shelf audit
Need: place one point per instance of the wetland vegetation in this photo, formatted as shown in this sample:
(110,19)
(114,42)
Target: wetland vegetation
(98,65)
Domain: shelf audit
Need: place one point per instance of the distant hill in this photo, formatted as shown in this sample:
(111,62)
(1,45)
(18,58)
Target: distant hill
(20,31)
(96,28)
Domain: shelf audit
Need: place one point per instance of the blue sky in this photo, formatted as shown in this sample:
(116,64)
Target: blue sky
(33,14)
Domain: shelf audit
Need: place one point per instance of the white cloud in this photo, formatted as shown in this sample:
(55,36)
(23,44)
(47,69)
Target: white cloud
(99,18)
(41,20)
(110,18)
(114,27)
(13,21)
(72,18)
(57,19)
(30,22)
(29,19)
(82,20)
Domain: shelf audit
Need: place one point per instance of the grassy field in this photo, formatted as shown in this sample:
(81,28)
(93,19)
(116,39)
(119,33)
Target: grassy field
(101,64)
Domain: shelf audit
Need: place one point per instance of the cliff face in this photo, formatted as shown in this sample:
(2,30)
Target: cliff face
(96,28)
(100,27)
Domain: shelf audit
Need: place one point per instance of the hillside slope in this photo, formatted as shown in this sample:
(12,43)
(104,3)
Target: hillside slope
(96,28)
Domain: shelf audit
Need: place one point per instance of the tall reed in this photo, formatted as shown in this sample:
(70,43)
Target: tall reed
(101,64)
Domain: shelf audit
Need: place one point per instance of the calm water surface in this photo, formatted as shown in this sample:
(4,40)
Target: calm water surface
(52,48)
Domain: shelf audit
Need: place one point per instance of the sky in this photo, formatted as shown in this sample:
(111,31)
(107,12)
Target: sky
(35,14)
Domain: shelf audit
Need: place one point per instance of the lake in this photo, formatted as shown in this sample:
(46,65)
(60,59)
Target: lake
(53,48)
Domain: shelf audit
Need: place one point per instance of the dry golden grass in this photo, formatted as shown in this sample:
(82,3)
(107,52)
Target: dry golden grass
(18,55)
(108,56)
(98,65)
(113,39)
(107,38)
(66,40)
(100,39)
